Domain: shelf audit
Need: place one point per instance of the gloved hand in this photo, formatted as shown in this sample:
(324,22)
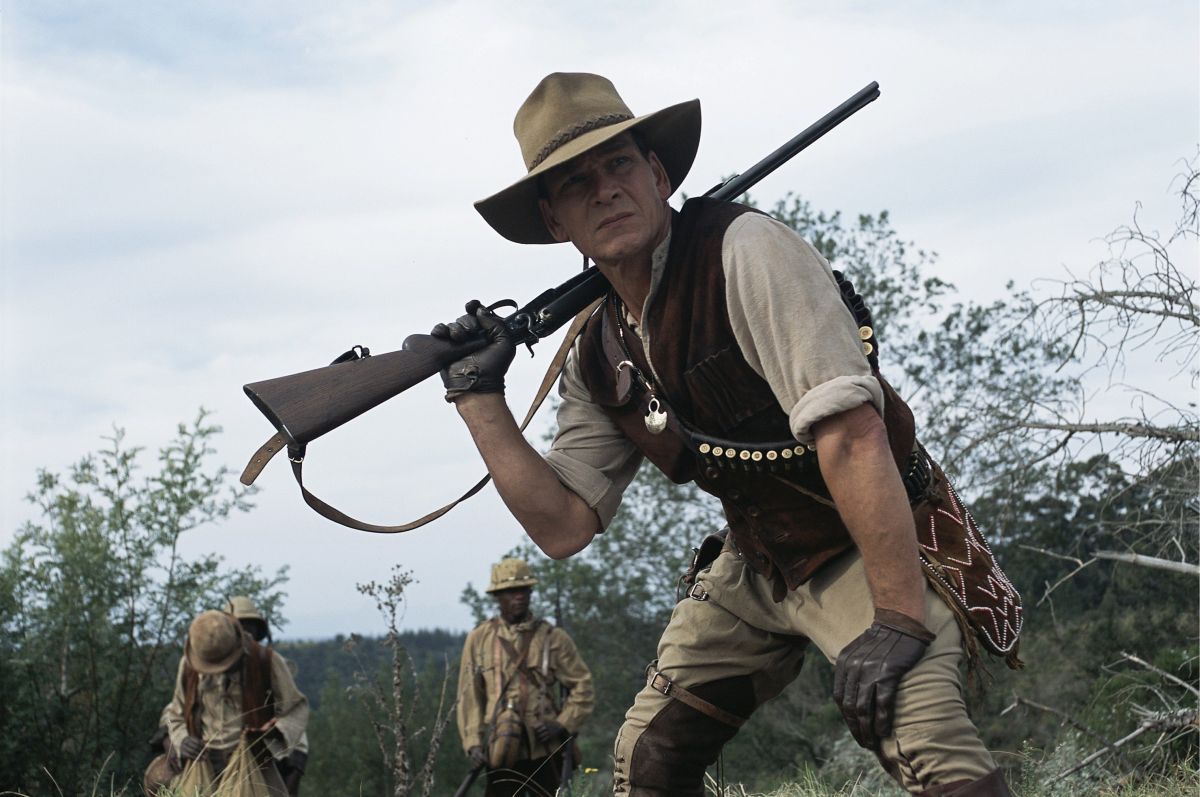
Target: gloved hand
(550,731)
(870,668)
(482,371)
(477,757)
(191,747)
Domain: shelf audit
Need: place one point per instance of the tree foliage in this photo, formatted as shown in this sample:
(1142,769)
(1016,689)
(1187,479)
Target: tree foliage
(95,599)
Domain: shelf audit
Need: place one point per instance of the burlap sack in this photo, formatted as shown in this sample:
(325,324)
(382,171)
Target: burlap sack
(244,776)
(196,780)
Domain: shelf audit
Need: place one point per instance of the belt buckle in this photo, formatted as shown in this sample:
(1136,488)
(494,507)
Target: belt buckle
(654,683)
(697,592)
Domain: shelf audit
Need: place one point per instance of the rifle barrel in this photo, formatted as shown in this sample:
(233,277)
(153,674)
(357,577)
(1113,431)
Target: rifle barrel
(741,183)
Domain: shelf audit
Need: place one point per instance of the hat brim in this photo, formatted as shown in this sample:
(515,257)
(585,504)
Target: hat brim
(514,584)
(212,667)
(673,134)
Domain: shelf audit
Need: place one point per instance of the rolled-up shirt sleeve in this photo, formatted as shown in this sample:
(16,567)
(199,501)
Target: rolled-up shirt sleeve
(791,324)
(590,454)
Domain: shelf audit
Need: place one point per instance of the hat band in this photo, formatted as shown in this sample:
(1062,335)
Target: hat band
(575,131)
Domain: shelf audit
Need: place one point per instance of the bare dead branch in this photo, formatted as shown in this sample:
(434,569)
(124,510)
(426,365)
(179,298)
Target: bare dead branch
(1169,721)
(1064,580)
(1062,715)
(1043,551)
(1170,433)
(1187,568)
(1163,673)
(1116,299)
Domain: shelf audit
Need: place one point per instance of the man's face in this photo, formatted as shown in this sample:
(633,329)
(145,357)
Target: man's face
(513,603)
(610,202)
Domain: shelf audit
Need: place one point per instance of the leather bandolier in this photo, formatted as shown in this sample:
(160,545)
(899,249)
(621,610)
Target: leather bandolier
(734,441)
(258,699)
(508,740)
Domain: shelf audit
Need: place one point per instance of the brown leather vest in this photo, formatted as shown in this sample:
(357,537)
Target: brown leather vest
(258,699)
(780,515)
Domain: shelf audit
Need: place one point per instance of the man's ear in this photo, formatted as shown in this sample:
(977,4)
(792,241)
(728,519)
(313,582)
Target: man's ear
(661,181)
(557,232)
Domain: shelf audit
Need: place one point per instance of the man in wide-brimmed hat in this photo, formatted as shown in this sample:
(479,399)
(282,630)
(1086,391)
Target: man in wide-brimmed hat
(730,354)
(513,717)
(291,767)
(228,686)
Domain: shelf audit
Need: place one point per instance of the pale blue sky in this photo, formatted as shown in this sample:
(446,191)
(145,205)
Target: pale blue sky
(199,195)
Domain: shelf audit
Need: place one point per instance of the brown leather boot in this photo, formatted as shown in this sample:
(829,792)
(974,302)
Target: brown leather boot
(670,757)
(990,785)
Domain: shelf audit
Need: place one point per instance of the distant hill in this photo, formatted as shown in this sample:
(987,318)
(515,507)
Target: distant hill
(314,661)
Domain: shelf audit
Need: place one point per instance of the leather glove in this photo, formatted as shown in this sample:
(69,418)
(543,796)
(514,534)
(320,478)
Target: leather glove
(477,756)
(550,731)
(870,668)
(191,747)
(482,371)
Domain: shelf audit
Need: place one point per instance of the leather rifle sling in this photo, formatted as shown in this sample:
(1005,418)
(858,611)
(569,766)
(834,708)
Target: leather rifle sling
(277,443)
(503,680)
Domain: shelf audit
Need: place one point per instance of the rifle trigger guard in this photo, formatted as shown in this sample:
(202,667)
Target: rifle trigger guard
(491,308)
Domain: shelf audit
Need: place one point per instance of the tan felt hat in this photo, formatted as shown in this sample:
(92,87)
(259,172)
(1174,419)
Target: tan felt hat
(510,574)
(214,642)
(568,114)
(243,608)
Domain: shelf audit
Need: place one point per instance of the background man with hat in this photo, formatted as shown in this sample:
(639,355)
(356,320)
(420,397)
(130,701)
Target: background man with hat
(509,713)
(291,767)
(227,685)
(729,354)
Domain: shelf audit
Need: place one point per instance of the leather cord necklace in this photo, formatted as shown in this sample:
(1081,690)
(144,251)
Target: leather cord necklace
(656,418)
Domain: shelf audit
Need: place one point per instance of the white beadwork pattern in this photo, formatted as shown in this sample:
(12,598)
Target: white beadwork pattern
(996,613)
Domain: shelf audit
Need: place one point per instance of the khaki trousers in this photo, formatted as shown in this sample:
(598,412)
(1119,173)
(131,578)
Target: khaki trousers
(737,648)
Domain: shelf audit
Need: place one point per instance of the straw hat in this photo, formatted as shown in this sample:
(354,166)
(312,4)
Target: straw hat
(568,114)
(214,642)
(511,574)
(243,608)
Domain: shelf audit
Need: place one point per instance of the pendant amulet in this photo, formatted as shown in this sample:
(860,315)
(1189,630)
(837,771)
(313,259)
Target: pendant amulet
(656,419)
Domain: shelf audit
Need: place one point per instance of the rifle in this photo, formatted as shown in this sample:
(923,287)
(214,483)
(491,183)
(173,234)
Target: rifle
(465,786)
(307,405)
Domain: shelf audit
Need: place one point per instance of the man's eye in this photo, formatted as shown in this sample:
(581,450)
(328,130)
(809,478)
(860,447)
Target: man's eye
(620,160)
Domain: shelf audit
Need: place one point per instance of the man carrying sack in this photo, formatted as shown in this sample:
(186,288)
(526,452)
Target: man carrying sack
(730,354)
(509,717)
(291,767)
(235,711)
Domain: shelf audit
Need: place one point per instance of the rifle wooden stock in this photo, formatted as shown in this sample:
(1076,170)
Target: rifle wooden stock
(306,405)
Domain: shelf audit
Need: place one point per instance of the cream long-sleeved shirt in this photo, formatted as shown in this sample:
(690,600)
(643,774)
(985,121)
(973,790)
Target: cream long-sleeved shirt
(220,698)
(792,327)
